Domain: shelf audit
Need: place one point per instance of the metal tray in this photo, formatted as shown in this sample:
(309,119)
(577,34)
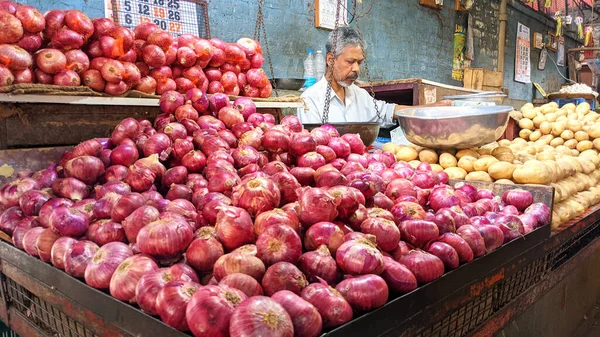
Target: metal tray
(454,127)
(368,131)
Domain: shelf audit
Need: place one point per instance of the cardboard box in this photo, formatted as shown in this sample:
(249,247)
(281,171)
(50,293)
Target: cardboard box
(482,79)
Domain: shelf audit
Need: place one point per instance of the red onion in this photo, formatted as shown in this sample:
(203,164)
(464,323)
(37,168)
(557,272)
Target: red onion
(473,238)
(519,198)
(194,161)
(239,263)
(44,242)
(126,205)
(78,257)
(125,278)
(470,190)
(79,22)
(301,143)
(283,276)
(385,231)
(245,283)
(419,232)
(256,195)
(171,298)
(484,194)
(274,167)
(124,155)
(30,240)
(446,253)
(59,250)
(93,79)
(511,226)
(426,267)
(249,249)
(287,184)
(234,227)
(105,261)
(32,201)
(305,317)
(324,233)
(140,178)
(152,282)
(364,293)
(260,316)
(316,205)
(244,155)
(406,210)
(11,193)
(104,231)
(45,177)
(179,191)
(340,147)
(21,228)
(304,175)
(334,309)
(493,237)
(279,243)
(210,309)
(355,142)
(210,207)
(541,211)
(398,277)
(367,183)
(127,128)
(359,257)
(165,239)
(319,264)
(465,253)
(68,222)
(380,200)
(11,29)
(350,199)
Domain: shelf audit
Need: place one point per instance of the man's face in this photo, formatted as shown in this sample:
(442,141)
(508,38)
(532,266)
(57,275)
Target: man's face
(347,65)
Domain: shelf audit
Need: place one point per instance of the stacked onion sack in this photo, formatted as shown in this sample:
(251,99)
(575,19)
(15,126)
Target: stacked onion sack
(214,209)
(113,59)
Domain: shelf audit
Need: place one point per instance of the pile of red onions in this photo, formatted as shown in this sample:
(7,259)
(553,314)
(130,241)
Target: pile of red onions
(213,210)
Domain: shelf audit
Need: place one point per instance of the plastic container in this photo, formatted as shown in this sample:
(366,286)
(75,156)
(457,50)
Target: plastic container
(563,101)
(309,71)
(319,65)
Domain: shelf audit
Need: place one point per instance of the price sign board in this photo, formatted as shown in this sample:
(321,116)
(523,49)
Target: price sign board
(174,16)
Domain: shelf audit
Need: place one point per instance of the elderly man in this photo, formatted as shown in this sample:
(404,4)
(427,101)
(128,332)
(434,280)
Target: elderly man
(348,102)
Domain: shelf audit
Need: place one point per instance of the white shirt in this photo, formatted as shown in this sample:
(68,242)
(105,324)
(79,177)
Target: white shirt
(359,106)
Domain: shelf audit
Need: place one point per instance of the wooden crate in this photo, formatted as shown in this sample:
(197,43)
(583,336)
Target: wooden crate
(483,79)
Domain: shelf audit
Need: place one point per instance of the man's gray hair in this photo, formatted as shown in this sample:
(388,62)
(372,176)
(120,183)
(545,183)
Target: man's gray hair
(346,36)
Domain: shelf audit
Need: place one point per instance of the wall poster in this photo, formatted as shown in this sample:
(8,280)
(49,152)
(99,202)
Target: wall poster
(522,57)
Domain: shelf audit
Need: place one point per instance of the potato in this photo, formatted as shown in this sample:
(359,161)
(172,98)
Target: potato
(529,113)
(504,181)
(447,160)
(557,141)
(572,116)
(414,163)
(545,127)
(545,156)
(591,117)
(562,119)
(466,163)
(528,106)
(482,164)
(456,173)
(558,128)
(556,221)
(583,108)
(594,131)
(436,168)
(501,170)
(584,145)
(577,164)
(504,142)
(479,176)
(561,113)
(538,120)
(484,152)
(526,123)
(532,172)
(463,153)
(567,134)
(551,117)
(556,171)
(569,106)
(406,153)
(390,147)
(428,156)
(548,108)
(571,143)
(574,125)
(501,149)
(535,135)
(524,133)
(581,135)
(506,157)
(588,166)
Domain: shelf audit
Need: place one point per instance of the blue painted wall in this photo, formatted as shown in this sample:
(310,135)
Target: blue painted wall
(404,39)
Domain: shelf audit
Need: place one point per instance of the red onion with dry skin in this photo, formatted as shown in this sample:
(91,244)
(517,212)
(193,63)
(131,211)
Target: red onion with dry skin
(360,257)
(426,267)
(279,243)
(125,278)
(249,319)
(398,277)
(210,309)
(204,251)
(320,264)
(245,283)
(364,293)
(324,233)
(237,262)
(283,276)
(334,309)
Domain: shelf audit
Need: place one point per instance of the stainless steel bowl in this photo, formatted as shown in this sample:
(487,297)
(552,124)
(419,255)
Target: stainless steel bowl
(287,83)
(454,127)
(368,131)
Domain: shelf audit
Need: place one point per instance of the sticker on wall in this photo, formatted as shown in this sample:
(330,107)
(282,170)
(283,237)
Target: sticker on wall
(174,16)
(522,57)
(325,12)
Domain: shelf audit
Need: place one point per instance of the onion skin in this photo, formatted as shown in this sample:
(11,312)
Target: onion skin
(446,253)
(277,244)
(305,317)
(30,240)
(316,205)
(426,267)
(245,283)
(234,227)
(493,237)
(398,277)
(419,232)
(102,266)
(165,239)
(139,218)
(209,311)
(465,253)
(44,244)
(332,306)
(239,263)
(283,276)
(204,251)
(260,316)
(125,278)
(364,293)
(360,257)
(152,282)
(256,195)
(78,257)
(385,231)
(68,222)
(320,264)
(171,299)
(59,251)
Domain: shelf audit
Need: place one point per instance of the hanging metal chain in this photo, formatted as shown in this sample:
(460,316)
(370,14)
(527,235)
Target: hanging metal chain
(379,118)
(325,117)
(260,25)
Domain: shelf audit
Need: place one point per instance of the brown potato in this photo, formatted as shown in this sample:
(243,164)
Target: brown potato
(479,176)
(535,135)
(406,153)
(584,145)
(482,164)
(463,153)
(504,181)
(557,141)
(567,134)
(581,135)
(571,143)
(545,128)
(526,123)
(466,163)
(428,156)
(447,160)
(456,173)
(501,170)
